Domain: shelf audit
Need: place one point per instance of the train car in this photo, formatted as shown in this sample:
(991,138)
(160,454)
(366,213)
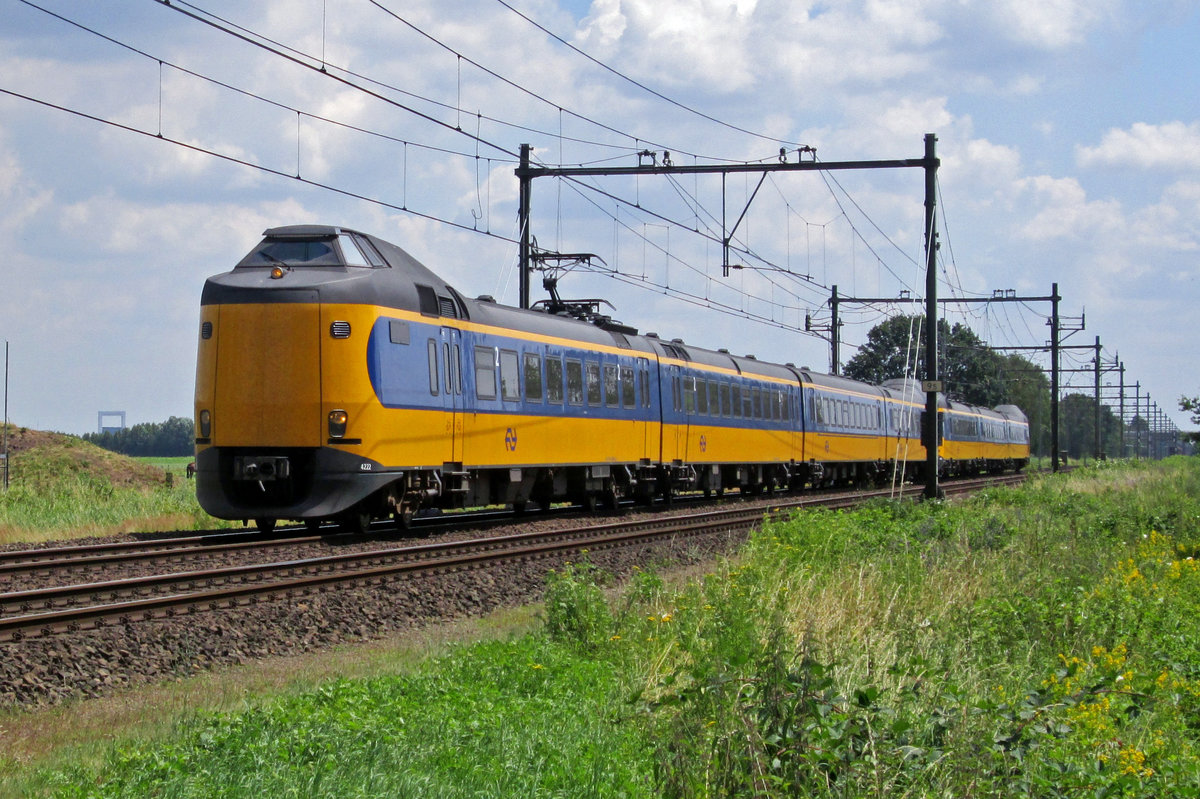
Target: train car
(846,431)
(338,378)
(731,421)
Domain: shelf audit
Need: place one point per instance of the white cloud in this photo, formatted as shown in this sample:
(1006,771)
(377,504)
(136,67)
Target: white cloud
(1051,24)
(1064,211)
(1172,145)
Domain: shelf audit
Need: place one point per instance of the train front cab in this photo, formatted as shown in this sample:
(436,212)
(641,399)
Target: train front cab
(286,414)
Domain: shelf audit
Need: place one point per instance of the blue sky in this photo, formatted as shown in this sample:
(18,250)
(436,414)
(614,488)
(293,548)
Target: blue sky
(1069,135)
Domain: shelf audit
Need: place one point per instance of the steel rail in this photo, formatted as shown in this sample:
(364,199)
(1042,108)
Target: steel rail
(383,566)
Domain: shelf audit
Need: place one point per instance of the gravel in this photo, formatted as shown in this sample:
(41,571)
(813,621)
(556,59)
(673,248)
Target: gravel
(43,671)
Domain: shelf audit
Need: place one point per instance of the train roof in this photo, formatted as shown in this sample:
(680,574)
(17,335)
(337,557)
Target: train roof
(839,383)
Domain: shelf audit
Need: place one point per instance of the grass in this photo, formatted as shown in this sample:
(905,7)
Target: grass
(70,489)
(1042,641)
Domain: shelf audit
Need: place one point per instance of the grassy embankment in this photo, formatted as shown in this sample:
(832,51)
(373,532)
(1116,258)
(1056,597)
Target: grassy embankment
(1043,641)
(63,487)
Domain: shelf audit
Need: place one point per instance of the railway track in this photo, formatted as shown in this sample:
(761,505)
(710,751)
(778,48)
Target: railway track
(53,610)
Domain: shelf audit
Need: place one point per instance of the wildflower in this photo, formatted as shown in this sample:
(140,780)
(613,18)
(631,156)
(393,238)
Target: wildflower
(666,617)
(535,665)
(1133,761)
(615,638)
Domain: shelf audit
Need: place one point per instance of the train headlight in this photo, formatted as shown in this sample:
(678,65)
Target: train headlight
(337,424)
(276,272)
(205,424)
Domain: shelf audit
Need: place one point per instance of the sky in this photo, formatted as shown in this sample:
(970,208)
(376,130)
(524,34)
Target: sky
(145,146)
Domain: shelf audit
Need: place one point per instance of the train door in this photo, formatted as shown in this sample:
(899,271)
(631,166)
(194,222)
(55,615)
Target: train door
(675,433)
(451,357)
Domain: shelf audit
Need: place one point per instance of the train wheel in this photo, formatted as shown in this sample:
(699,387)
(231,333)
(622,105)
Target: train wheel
(403,518)
(265,524)
(609,499)
(356,521)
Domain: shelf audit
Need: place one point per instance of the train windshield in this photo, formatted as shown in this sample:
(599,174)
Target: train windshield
(317,251)
(293,252)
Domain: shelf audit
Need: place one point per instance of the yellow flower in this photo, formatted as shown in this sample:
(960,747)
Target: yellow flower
(535,665)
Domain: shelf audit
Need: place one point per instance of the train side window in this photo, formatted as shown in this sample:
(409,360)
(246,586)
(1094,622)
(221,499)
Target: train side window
(675,401)
(448,375)
(351,254)
(645,387)
(611,391)
(689,395)
(533,377)
(554,380)
(510,376)
(736,399)
(485,372)
(457,368)
(593,382)
(726,405)
(368,250)
(702,396)
(628,398)
(714,398)
(574,382)
(756,403)
(431,347)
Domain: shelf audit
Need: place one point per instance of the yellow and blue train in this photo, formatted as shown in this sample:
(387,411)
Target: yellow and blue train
(338,378)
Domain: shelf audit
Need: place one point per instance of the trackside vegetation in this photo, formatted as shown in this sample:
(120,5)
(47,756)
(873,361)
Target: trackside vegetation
(63,487)
(1041,641)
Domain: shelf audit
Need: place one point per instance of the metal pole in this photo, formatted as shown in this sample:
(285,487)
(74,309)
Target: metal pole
(834,338)
(1122,370)
(1054,298)
(526,186)
(1149,430)
(1137,413)
(932,490)
(1099,443)
(6,415)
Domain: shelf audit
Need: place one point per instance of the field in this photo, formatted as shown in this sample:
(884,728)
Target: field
(63,487)
(1043,641)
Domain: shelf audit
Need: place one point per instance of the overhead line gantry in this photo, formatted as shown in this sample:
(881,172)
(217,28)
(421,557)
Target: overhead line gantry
(527,171)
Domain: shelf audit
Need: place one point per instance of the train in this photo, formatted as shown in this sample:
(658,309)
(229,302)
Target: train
(340,379)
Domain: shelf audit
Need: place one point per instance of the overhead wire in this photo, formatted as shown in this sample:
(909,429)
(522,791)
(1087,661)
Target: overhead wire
(249,37)
(764,266)
(253,39)
(639,84)
(250,164)
(245,92)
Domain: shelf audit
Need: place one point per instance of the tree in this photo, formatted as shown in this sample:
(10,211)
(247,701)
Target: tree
(171,438)
(1192,406)
(971,371)
(1077,419)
